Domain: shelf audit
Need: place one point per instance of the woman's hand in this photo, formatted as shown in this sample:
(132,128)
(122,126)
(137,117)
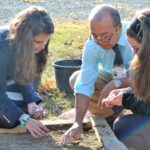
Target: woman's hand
(114,98)
(36,128)
(36,111)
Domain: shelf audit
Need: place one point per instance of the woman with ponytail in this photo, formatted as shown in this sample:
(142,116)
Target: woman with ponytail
(133,129)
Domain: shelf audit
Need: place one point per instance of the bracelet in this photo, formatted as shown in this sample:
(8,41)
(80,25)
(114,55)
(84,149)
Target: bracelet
(24,119)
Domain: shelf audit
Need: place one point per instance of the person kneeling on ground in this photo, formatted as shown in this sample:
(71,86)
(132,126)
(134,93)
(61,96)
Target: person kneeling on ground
(23,56)
(133,129)
(106,46)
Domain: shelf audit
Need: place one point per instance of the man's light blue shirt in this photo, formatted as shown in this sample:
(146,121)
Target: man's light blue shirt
(93,56)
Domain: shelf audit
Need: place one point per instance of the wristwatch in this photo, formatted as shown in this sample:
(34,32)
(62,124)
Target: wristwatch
(117,83)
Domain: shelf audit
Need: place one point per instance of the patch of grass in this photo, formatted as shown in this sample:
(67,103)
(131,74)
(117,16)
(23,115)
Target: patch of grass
(56,104)
(69,39)
(67,42)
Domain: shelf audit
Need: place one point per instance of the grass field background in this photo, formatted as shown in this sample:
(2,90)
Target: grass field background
(66,43)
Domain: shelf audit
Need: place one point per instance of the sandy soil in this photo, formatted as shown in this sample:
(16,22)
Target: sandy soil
(26,142)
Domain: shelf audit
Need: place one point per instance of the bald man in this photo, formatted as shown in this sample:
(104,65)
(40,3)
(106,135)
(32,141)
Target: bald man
(92,84)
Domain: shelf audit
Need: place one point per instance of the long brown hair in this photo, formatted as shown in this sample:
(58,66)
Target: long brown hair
(27,24)
(139,29)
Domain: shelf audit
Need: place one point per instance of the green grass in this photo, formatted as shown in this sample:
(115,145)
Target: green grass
(67,42)
(68,39)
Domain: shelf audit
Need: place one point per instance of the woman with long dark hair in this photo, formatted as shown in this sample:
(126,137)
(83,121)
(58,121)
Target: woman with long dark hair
(23,56)
(133,129)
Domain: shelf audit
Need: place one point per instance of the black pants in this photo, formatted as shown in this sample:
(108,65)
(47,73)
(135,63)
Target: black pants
(14,88)
(134,131)
(5,124)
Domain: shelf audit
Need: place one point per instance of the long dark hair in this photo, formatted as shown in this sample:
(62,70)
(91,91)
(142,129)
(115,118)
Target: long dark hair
(139,29)
(23,28)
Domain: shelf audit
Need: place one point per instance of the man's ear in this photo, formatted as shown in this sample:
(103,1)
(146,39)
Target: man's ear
(120,26)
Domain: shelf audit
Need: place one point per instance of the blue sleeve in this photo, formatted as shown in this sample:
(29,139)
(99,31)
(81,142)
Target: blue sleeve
(8,109)
(29,94)
(89,71)
(129,101)
(4,31)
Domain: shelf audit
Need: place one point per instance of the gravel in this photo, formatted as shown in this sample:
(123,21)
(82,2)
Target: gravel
(70,9)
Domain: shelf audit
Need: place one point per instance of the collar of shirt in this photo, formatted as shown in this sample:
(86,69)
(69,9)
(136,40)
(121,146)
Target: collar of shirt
(122,40)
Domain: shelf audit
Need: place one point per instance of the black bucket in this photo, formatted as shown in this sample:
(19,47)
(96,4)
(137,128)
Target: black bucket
(63,70)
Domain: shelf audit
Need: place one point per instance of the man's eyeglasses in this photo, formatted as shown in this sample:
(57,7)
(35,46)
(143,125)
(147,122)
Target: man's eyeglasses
(106,37)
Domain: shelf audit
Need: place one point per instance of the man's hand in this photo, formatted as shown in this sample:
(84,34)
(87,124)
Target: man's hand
(72,134)
(36,128)
(75,131)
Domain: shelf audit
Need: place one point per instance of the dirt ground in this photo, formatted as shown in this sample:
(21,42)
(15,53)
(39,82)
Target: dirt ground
(26,142)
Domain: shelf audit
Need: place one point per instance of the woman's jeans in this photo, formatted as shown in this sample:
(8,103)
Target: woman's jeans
(134,131)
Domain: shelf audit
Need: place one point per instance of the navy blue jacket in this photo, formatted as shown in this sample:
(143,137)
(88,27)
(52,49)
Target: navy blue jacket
(130,102)
(8,109)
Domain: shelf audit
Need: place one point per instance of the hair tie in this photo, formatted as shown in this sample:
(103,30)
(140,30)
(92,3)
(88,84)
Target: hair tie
(135,25)
(136,28)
